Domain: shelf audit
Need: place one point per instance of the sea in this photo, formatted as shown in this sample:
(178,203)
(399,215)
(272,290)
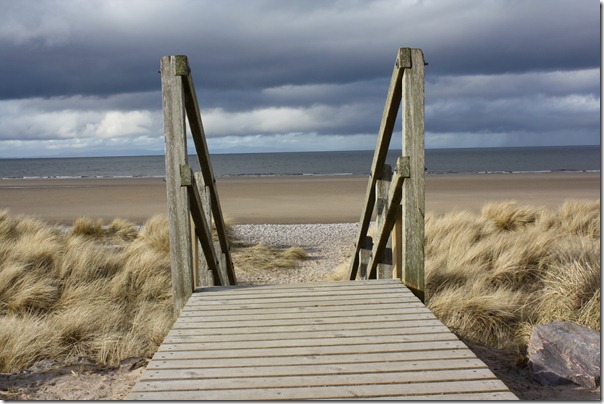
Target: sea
(332,163)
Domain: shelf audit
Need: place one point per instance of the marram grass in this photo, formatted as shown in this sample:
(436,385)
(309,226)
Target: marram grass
(492,276)
(104,291)
(95,290)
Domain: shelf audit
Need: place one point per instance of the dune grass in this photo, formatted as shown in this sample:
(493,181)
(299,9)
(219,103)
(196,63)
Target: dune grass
(94,290)
(104,291)
(491,277)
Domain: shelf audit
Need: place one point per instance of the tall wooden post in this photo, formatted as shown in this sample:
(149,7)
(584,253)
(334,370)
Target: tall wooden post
(176,156)
(413,202)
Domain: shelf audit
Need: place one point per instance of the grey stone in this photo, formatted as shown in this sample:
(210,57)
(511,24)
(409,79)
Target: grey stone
(564,352)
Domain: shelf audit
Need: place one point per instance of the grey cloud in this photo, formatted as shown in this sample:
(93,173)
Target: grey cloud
(506,68)
(115,47)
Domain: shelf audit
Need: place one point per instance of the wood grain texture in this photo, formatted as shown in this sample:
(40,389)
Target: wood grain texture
(413,198)
(312,341)
(178,203)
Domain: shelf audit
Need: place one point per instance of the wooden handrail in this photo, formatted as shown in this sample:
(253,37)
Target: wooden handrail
(193,202)
(398,197)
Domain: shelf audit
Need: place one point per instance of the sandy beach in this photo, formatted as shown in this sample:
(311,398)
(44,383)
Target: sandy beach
(286,200)
(316,213)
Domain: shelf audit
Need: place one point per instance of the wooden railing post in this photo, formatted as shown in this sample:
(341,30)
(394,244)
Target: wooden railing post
(192,197)
(178,202)
(398,248)
(413,201)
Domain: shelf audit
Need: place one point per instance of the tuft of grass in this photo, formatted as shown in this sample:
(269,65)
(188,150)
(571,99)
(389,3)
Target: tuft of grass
(259,258)
(492,277)
(98,291)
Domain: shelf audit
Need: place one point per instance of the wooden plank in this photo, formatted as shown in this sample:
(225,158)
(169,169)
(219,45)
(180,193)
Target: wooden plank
(312,360)
(176,155)
(413,200)
(328,392)
(220,305)
(208,294)
(393,100)
(313,369)
(198,328)
(301,303)
(313,285)
(176,336)
(481,396)
(313,350)
(292,342)
(303,294)
(261,315)
(183,322)
(194,312)
(334,379)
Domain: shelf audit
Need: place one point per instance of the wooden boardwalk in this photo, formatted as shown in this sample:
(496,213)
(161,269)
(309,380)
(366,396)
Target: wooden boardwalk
(335,340)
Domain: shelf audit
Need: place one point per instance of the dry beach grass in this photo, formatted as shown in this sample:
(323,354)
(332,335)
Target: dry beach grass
(103,291)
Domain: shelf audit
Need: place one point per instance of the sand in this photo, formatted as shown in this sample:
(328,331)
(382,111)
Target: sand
(268,200)
(285,200)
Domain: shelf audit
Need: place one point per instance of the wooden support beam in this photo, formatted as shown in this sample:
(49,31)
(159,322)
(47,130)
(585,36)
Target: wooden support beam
(391,208)
(205,274)
(176,155)
(383,257)
(391,108)
(364,258)
(198,134)
(203,230)
(413,199)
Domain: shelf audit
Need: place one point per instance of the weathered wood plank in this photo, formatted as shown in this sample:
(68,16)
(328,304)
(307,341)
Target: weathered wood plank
(335,379)
(312,285)
(292,342)
(328,392)
(175,336)
(313,369)
(313,350)
(302,291)
(198,328)
(258,315)
(305,310)
(183,322)
(313,360)
(293,303)
(482,396)
(399,292)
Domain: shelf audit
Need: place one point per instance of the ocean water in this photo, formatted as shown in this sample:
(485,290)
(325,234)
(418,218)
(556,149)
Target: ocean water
(438,161)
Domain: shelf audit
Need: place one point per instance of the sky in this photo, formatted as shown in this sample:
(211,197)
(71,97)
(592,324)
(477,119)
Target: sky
(80,78)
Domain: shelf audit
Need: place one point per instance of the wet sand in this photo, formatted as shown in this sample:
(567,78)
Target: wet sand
(299,199)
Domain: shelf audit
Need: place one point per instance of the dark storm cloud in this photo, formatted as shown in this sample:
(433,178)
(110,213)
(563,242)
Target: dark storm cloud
(511,68)
(103,48)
